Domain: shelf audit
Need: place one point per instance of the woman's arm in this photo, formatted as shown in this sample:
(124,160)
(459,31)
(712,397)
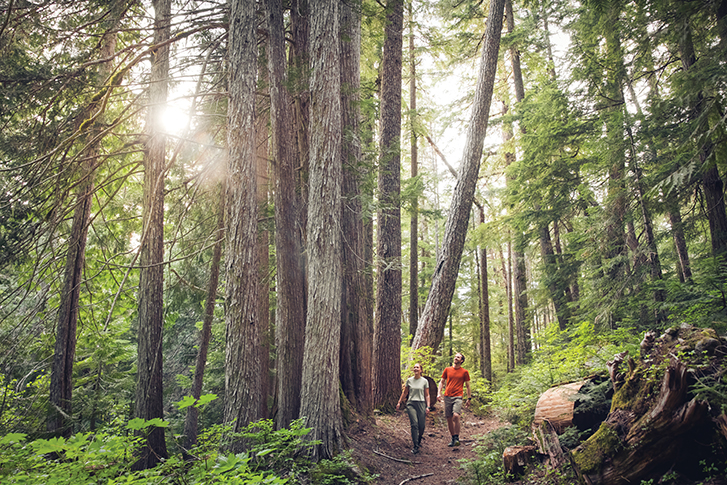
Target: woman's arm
(404,395)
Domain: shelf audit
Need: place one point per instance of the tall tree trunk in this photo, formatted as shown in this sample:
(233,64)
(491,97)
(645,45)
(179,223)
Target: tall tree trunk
(431,324)
(555,283)
(149,395)
(508,301)
(519,275)
(712,185)
(320,401)
(263,172)
(242,353)
(192,418)
(484,300)
(357,326)
(61,385)
(291,306)
(652,256)
(299,65)
(387,327)
(680,241)
(614,125)
(414,224)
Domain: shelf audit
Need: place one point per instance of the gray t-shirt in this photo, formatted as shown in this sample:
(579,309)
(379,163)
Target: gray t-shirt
(417,388)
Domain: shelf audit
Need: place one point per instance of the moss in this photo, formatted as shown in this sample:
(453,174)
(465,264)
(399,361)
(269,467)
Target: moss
(589,457)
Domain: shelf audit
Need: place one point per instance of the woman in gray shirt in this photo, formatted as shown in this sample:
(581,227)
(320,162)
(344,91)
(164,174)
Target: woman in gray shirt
(416,393)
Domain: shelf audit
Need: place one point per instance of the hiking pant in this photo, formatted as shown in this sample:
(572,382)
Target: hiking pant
(418,419)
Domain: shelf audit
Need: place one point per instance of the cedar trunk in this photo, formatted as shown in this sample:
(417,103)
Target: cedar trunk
(290,284)
(387,327)
(149,395)
(320,402)
(242,356)
(356,324)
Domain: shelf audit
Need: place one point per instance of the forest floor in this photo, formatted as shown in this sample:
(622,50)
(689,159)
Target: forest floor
(383,446)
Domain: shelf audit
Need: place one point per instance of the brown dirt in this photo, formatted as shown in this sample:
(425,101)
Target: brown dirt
(390,435)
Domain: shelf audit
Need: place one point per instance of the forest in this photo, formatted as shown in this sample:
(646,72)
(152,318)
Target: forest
(229,228)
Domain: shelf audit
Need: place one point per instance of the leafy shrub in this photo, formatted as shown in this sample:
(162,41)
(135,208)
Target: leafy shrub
(341,470)
(106,457)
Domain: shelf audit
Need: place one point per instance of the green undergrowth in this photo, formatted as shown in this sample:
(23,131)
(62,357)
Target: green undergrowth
(106,457)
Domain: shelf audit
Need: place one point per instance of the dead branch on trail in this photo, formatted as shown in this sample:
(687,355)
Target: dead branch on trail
(409,462)
(415,478)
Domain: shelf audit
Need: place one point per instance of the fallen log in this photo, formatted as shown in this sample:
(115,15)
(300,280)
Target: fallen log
(556,406)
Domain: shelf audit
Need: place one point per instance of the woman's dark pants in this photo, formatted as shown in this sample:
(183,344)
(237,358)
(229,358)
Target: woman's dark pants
(417,419)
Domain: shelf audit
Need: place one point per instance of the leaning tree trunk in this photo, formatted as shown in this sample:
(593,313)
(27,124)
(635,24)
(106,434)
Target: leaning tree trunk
(430,330)
(61,385)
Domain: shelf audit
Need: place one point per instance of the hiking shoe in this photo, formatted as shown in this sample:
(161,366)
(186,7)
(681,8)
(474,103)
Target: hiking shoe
(452,443)
(415,450)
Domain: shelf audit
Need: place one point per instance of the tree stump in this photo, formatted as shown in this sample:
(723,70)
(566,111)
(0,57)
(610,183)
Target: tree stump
(655,424)
(516,458)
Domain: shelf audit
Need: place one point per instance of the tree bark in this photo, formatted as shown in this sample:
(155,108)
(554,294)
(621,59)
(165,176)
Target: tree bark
(712,185)
(484,297)
(192,417)
(414,223)
(357,326)
(320,402)
(519,274)
(299,66)
(149,395)
(387,326)
(431,324)
(680,241)
(263,172)
(555,282)
(242,352)
(290,284)
(614,124)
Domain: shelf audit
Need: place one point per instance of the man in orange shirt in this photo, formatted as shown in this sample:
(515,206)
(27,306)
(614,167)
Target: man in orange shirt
(454,378)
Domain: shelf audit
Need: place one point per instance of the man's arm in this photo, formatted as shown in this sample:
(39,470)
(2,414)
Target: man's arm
(469,393)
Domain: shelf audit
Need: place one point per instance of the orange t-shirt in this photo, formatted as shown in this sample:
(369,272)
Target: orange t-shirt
(455,381)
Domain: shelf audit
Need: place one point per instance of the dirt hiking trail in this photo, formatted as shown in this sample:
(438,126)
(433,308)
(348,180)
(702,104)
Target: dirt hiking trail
(383,445)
